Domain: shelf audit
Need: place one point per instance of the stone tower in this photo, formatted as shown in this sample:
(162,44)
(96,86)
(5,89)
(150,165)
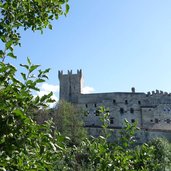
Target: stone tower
(70,85)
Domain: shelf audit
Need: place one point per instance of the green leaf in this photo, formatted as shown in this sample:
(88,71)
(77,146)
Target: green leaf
(33,67)
(40,80)
(20,114)
(50,26)
(45,97)
(67,9)
(1,53)
(36,100)
(25,66)
(9,44)
(11,55)
(46,71)
(29,61)
(24,76)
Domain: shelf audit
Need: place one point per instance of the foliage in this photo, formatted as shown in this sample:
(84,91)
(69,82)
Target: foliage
(162,152)
(68,120)
(98,154)
(25,145)
(27,14)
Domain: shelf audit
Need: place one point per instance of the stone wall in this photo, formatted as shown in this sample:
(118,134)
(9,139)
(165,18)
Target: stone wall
(151,110)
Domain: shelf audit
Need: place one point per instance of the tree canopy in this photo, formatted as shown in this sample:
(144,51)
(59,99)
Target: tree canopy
(27,14)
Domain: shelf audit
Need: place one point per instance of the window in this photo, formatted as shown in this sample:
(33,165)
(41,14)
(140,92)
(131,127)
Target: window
(126,101)
(131,110)
(121,110)
(139,102)
(156,120)
(151,120)
(95,105)
(97,112)
(111,121)
(86,105)
(132,120)
(168,120)
(114,101)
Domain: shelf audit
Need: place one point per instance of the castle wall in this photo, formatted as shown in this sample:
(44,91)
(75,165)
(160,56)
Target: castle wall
(121,106)
(152,111)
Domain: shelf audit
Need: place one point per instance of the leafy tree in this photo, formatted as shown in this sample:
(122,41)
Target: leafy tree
(68,120)
(27,14)
(25,145)
(162,152)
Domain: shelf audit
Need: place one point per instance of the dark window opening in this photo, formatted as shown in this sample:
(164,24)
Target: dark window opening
(156,120)
(139,102)
(95,105)
(132,120)
(111,121)
(126,101)
(121,110)
(131,110)
(168,120)
(97,112)
(151,120)
(86,105)
(114,101)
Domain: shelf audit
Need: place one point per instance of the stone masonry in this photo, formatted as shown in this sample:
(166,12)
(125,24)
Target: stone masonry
(151,110)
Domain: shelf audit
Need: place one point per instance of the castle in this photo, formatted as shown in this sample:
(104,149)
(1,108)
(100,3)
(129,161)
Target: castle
(151,110)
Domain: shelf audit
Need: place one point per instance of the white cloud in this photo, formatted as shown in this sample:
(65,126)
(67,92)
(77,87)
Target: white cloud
(49,87)
(46,88)
(87,90)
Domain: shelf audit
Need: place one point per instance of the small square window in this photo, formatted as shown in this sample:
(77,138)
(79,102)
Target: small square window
(132,120)
(121,110)
(168,120)
(131,110)
(156,120)
(111,121)
(97,112)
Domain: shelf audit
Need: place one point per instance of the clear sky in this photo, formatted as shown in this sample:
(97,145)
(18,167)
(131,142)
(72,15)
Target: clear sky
(118,44)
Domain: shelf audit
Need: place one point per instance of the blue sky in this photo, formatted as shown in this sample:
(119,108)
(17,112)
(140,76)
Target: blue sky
(118,45)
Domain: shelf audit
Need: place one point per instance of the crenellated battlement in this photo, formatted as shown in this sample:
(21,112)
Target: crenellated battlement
(69,73)
(158,93)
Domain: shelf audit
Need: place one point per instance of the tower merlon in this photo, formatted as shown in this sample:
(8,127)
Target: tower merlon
(60,73)
(79,72)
